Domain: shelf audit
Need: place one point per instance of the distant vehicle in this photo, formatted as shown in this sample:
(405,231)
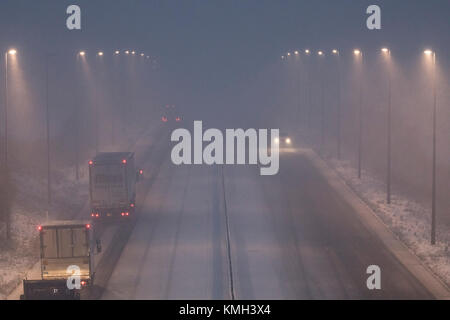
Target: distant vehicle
(283,141)
(66,248)
(112,185)
(171,114)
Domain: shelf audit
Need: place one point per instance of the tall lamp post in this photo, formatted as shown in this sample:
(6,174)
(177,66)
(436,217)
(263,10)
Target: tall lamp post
(358,53)
(338,117)
(387,53)
(322,102)
(432,55)
(11,52)
(97,120)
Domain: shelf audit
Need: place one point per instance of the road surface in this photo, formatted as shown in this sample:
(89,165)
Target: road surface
(225,232)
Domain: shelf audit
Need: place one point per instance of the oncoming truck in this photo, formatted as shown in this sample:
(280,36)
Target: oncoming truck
(67,251)
(112,185)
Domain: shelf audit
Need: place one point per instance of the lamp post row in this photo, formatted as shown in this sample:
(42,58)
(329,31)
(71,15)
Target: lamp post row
(387,53)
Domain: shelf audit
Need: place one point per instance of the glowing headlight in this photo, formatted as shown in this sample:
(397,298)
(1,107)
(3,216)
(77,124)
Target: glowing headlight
(276,140)
(288,140)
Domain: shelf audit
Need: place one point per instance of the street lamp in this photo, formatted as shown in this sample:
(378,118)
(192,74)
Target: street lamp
(117,52)
(100,54)
(431,54)
(359,54)
(338,118)
(387,53)
(11,52)
(322,102)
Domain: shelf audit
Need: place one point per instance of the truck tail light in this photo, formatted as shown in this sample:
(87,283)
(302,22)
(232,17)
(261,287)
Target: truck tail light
(124,161)
(132,205)
(39,228)
(83,283)
(127,214)
(141,171)
(88,226)
(91,162)
(123,214)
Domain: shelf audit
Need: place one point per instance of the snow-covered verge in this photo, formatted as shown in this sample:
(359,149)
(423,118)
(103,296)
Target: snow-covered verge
(28,211)
(408,219)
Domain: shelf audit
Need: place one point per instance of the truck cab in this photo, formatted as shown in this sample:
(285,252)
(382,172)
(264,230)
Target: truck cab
(66,249)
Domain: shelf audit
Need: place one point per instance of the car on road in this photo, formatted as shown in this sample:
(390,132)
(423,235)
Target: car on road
(283,141)
(171,114)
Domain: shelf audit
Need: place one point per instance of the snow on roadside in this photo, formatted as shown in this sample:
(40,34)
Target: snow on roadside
(28,211)
(409,220)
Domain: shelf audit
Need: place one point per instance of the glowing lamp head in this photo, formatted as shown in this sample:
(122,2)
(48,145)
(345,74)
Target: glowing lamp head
(133,52)
(142,54)
(276,140)
(127,52)
(307,51)
(385,50)
(357,52)
(100,54)
(428,52)
(320,53)
(12,52)
(296,53)
(117,52)
(335,51)
(82,53)
(288,140)
(289,54)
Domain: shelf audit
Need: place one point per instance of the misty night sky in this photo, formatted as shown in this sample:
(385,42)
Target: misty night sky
(209,48)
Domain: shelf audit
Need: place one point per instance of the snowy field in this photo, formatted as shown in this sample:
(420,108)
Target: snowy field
(69,196)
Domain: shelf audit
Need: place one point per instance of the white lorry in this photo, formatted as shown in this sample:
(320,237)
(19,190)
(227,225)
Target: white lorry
(112,185)
(67,251)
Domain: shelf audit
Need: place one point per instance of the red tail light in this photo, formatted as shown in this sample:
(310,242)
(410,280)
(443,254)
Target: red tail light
(88,226)
(83,283)
(123,214)
(178,119)
(132,205)
(127,214)
(141,171)
(124,161)
(39,228)
(164,119)
(91,162)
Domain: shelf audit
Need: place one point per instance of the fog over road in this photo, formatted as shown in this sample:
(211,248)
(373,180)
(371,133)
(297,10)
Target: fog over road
(223,232)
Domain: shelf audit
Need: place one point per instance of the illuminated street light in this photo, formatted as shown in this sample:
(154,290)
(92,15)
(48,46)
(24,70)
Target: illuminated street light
(320,53)
(117,52)
(338,99)
(358,53)
(127,52)
(307,51)
(387,53)
(100,54)
(431,54)
(283,57)
(12,52)
(288,54)
(82,53)
(296,53)
(142,54)
(133,52)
